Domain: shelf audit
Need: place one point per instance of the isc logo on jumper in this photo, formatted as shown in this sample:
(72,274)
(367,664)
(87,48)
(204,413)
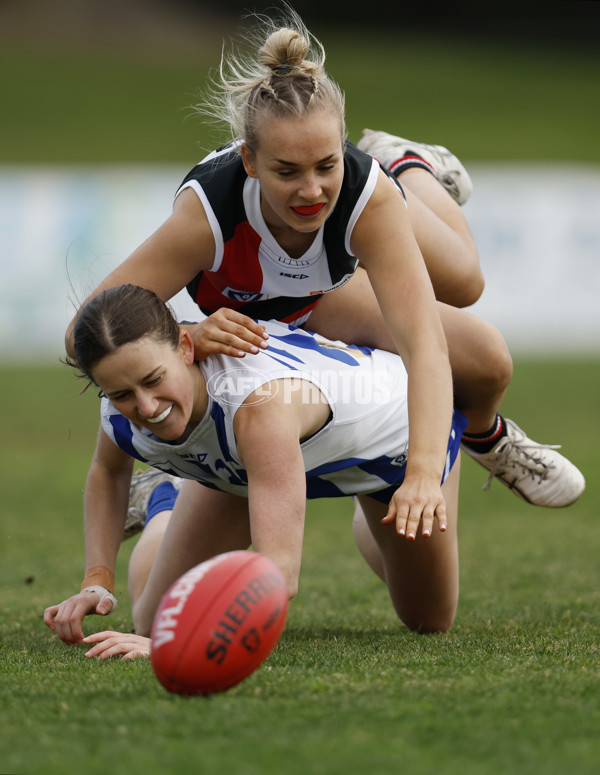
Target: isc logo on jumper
(293,276)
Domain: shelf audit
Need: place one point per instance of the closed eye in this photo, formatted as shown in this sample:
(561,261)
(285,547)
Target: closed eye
(289,172)
(115,398)
(147,382)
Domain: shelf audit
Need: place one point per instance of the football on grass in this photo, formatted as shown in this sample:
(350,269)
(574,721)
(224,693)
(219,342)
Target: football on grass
(218,623)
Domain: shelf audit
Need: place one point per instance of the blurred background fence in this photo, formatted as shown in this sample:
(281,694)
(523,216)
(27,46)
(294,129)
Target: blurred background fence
(96,133)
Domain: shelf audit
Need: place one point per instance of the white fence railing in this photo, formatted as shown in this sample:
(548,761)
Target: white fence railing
(537,229)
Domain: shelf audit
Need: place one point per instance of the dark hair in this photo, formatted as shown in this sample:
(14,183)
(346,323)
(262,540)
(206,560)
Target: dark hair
(116,317)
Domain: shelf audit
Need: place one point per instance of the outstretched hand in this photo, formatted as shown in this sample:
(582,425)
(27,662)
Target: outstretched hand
(417,501)
(229,332)
(113,644)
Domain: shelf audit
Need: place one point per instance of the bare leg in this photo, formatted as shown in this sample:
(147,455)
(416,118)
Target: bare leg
(421,575)
(480,361)
(438,222)
(445,239)
(145,551)
(481,366)
(203,523)
(366,542)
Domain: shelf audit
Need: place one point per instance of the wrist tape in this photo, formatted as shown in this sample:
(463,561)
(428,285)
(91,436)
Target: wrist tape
(99,576)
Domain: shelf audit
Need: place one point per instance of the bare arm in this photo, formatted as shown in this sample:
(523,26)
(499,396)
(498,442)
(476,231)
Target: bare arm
(268,441)
(269,444)
(384,243)
(444,238)
(169,259)
(106,499)
(166,262)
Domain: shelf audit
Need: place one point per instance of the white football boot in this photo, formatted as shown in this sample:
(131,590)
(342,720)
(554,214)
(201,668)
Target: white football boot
(389,150)
(535,472)
(143,484)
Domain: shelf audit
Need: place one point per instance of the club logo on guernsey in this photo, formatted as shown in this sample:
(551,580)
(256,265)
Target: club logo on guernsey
(400,460)
(245,296)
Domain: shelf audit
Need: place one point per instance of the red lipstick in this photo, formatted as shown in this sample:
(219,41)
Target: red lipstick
(308,209)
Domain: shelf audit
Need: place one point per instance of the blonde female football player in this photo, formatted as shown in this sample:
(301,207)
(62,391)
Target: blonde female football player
(292,222)
(309,417)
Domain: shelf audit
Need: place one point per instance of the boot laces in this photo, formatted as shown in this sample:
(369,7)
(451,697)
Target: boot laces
(521,452)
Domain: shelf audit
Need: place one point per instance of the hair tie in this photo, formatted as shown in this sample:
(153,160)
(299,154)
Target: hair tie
(284,69)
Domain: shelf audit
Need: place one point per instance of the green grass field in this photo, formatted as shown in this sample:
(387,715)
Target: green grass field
(485,100)
(513,688)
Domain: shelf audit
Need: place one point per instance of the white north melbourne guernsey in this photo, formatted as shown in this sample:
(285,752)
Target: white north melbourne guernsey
(361,449)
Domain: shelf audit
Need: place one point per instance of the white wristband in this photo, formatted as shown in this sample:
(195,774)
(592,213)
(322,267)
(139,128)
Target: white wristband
(102,593)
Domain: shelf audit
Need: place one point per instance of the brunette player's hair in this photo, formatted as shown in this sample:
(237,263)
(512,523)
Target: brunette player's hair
(115,317)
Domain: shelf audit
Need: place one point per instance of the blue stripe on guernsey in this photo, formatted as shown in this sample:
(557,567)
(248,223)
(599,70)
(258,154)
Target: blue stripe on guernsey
(335,465)
(311,343)
(322,488)
(382,467)
(218,418)
(283,353)
(272,350)
(388,469)
(459,423)
(124,435)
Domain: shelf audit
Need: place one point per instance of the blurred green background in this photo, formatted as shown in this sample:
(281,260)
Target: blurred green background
(514,687)
(90,81)
(95,92)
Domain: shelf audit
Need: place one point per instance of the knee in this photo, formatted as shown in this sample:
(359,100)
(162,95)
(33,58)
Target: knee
(490,364)
(472,289)
(434,612)
(467,287)
(461,283)
(498,360)
(142,623)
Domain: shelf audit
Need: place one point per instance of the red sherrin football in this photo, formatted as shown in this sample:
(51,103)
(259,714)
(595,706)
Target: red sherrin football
(218,623)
